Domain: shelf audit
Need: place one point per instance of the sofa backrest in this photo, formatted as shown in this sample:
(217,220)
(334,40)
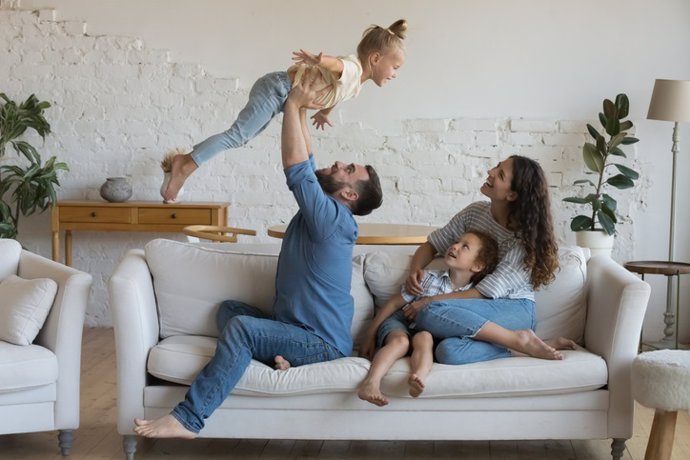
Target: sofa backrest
(10,250)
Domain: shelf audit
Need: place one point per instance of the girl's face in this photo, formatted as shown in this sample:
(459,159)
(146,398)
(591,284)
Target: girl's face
(462,255)
(385,67)
(498,185)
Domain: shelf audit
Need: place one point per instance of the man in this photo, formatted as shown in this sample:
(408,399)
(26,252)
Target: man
(313,309)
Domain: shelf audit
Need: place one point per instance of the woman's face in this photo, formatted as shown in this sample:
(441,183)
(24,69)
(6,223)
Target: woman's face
(497,185)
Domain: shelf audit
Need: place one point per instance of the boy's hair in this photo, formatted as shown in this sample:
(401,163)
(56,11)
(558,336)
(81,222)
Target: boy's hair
(376,38)
(488,255)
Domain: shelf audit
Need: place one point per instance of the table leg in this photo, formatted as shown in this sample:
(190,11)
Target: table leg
(68,248)
(56,246)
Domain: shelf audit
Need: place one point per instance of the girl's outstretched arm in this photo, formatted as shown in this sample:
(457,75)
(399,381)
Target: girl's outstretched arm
(330,63)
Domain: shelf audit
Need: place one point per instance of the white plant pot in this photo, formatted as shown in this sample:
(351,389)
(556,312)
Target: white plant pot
(598,242)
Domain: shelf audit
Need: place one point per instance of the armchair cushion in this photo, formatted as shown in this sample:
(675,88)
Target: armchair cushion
(24,307)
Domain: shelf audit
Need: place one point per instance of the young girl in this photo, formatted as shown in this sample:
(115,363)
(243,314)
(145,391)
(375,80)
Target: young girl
(380,54)
(469,259)
(477,324)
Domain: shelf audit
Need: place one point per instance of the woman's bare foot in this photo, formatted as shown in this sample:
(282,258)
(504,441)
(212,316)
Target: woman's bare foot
(369,391)
(182,167)
(281,363)
(530,344)
(162,427)
(561,343)
(416,385)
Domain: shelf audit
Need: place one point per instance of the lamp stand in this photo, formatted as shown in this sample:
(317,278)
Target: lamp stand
(670,314)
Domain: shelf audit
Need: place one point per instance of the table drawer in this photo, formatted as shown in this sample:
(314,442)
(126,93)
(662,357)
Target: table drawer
(96,214)
(172,215)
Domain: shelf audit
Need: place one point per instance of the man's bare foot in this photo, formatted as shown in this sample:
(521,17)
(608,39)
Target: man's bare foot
(182,167)
(368,391)
(416,385)
(561,343)
(530,344)
(162,427)
(281,363)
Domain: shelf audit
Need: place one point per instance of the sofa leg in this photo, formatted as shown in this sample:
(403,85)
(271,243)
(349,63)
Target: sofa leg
(129,445)
(617,448)
(65,439)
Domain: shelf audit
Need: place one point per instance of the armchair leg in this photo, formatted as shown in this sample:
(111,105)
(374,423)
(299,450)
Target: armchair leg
(129,445)
(617,448)
(65,439)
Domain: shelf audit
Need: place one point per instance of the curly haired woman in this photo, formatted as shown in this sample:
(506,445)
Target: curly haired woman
(497,315)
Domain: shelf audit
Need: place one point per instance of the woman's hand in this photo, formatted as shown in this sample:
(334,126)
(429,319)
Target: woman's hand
(411,309)
(305,57)
(321,119)
(413,284)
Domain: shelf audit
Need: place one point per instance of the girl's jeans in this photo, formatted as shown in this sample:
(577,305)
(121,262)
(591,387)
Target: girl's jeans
(246,333)
(266,100)
(457,321)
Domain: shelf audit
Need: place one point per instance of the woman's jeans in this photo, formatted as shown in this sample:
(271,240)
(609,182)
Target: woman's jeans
(266,100)
(246,333)
(457,321)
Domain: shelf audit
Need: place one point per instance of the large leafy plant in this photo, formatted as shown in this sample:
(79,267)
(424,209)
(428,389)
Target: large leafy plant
(599,158)
(29,185)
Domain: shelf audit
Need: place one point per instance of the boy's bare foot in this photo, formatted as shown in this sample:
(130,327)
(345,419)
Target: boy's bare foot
(281,363)
(162,427)
(416,385)
(182,167)
(530,344)
(368,391)
(561,343)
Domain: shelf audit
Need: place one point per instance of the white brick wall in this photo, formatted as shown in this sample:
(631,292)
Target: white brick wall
(118,105)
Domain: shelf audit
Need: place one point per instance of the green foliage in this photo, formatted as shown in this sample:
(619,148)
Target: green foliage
(30,186)
(598,158)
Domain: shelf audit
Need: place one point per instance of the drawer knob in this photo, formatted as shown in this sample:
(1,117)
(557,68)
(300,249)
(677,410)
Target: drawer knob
(174,216)
(93,214)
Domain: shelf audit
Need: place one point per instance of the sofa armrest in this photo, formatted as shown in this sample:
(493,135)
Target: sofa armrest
(616,304)
(135,323)
(62,330)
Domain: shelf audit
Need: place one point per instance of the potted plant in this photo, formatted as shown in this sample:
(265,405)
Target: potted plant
(600,159)
(26,186)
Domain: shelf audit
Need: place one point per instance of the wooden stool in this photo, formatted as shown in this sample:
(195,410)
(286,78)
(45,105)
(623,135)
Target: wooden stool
(661,380)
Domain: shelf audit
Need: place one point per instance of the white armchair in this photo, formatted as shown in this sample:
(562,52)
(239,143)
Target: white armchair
(39,382)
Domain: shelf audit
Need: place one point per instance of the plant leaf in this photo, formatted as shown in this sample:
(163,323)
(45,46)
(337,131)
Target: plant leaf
(629,140)
(620,181)
(622,105)
(610,110)
(626,125)
(617,151)
(584,181)
(593,159)
(581,223)
(593,132)
(606,223)
(609,203)
(627,172)
(576,199)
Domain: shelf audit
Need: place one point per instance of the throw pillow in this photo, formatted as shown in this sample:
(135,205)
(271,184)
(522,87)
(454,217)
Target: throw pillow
(24,307)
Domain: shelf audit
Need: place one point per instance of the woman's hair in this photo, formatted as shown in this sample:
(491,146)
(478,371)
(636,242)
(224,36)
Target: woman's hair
(378,39)
(529,216)
(487,256)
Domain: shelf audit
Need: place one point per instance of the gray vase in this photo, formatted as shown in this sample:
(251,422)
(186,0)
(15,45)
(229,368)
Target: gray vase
(116,189)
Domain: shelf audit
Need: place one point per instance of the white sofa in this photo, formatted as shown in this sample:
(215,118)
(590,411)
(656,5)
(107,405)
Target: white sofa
(39,382)
(164,298)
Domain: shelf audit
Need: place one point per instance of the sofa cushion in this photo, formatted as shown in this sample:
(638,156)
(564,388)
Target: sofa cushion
(23,367)
(190,281)
(24,307)
(9,261)
(179,360)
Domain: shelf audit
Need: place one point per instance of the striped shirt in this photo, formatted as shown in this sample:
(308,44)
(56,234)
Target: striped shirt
(435,282)
(510,279)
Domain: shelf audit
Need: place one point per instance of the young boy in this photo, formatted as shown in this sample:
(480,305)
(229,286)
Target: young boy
(473,256)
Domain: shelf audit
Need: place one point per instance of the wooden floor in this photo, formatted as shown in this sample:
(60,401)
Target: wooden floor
(97,437)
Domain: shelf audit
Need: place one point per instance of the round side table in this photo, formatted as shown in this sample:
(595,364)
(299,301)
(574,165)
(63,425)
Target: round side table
(668,269)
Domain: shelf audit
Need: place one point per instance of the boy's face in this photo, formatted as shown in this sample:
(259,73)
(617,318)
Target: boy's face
(385,67)
(462,255)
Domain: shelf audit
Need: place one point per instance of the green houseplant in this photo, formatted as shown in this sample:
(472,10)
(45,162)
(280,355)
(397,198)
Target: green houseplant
(599,158)
(28,185)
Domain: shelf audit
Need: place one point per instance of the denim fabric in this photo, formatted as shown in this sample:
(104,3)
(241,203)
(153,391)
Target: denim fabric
(457,321)
(266,100)
(395,322)
(247,334)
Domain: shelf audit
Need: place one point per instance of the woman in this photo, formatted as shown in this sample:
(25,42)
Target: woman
(497,315)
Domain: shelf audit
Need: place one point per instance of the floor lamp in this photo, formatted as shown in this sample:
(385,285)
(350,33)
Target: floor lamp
(671,102)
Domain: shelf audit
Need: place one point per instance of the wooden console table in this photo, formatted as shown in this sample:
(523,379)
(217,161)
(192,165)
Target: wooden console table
(130,216)
(382,234)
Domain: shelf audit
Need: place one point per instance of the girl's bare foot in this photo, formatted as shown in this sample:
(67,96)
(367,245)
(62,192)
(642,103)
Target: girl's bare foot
(162,427)
(530,344)
(561,343)
(416,385)
(369,391)
(281,363)
(182,167)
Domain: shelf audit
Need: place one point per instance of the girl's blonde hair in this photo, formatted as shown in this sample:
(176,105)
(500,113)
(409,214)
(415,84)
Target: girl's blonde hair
(377,39)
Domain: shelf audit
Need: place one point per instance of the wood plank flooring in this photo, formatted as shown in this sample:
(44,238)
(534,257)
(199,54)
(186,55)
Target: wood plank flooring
(97,437)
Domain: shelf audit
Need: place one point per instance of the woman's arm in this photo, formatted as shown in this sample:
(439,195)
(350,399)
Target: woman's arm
(413,307)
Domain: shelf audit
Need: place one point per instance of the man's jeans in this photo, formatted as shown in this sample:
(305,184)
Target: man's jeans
(457,321)
(246,333)
(266,100)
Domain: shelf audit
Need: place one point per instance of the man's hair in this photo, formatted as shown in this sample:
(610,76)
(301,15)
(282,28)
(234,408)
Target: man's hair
(370,194)
(488,255)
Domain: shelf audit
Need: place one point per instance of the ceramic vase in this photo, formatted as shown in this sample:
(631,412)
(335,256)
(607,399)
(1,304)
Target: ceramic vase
(597,241)
(164,185)
(116,189)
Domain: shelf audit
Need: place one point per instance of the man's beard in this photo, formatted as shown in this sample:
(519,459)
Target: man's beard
(328,184)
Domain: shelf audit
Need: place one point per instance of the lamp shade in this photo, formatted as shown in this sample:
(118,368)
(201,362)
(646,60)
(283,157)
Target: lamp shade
(670,101)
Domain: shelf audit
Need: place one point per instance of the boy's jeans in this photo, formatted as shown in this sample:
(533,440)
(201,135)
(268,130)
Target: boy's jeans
(266,100)
(246,333)
(457,321)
